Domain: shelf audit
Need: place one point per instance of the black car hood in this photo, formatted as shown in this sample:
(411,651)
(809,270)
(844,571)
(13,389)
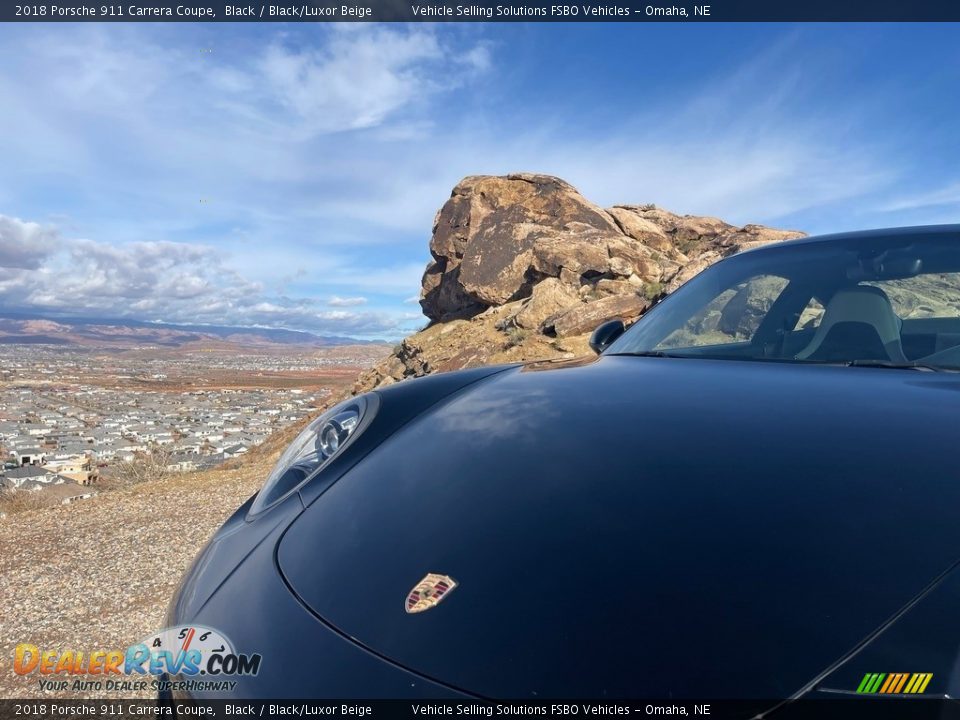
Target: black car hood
(642,527)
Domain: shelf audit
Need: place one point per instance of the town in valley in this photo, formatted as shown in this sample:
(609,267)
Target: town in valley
(77,420)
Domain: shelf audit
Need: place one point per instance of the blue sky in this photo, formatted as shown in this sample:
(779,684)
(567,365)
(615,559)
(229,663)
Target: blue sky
(322,152)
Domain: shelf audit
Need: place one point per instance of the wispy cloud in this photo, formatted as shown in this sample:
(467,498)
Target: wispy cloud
(940,198)
(346,301)
(735,143)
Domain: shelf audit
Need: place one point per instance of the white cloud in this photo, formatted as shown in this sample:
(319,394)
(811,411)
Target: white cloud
(355,80)
(336,301)
(24,245)
(479,58)
(40,270)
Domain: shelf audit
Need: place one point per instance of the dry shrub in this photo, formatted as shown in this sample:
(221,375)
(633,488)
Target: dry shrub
(16,501)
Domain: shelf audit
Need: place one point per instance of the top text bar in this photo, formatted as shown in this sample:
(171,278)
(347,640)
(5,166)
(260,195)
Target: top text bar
(483,11)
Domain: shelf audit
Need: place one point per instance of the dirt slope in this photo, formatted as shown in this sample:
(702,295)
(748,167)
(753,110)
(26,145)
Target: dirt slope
(99,574)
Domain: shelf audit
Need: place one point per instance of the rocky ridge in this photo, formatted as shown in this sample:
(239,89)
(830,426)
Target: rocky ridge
(524,268)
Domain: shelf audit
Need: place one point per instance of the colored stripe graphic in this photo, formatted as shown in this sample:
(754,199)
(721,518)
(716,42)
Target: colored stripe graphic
(891,678)
(894,683)
(918,683)
(913,681)
(903,681)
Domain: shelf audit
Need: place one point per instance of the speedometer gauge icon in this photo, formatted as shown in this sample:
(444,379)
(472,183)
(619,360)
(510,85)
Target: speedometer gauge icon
(190,650)
(185,638)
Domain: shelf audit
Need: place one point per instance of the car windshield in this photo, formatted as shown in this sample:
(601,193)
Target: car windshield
(861,300)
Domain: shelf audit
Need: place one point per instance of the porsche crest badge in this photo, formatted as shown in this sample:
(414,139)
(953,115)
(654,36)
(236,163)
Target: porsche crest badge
(428,592)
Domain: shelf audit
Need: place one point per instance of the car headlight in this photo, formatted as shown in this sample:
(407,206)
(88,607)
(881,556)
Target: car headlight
(321,441)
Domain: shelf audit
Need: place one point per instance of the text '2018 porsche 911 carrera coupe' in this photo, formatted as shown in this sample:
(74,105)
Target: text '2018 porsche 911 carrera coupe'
(752,492)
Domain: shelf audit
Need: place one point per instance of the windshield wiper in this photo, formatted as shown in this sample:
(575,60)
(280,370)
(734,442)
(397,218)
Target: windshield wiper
(887,364)
(895,365)
(646,353)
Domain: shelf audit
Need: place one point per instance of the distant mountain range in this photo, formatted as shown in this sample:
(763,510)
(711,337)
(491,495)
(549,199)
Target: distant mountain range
(22,328)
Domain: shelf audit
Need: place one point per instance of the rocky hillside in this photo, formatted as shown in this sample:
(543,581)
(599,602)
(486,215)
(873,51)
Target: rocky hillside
(109,585)
(524,268)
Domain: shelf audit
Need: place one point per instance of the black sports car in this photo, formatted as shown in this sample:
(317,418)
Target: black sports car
(751,493)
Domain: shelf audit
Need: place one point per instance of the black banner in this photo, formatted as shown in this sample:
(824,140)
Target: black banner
(481,11)
(849,708)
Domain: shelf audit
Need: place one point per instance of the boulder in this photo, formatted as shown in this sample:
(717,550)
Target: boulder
(584,318)
(548,298)
(631,221)
(483,234)
(524,268)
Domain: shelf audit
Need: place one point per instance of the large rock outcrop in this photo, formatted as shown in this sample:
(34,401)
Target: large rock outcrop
(524,267)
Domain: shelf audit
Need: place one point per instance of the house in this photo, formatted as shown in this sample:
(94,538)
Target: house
(183,462)
(29,455)
(69,493)
(163,437)
(210,461)
(18,477)
(68,449)
(73,467)
(30,486)
(117,450)
(36,429)
(235,450)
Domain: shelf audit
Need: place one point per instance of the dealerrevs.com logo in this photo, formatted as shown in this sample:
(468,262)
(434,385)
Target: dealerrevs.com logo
(188,651)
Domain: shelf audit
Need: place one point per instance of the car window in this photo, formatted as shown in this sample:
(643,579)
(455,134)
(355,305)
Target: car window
(864,301)
(732,316)
(811,315)
(924,296)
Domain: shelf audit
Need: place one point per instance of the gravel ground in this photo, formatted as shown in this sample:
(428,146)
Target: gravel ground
(99,574)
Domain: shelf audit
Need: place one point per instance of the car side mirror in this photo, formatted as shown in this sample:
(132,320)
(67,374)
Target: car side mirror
(604,335)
